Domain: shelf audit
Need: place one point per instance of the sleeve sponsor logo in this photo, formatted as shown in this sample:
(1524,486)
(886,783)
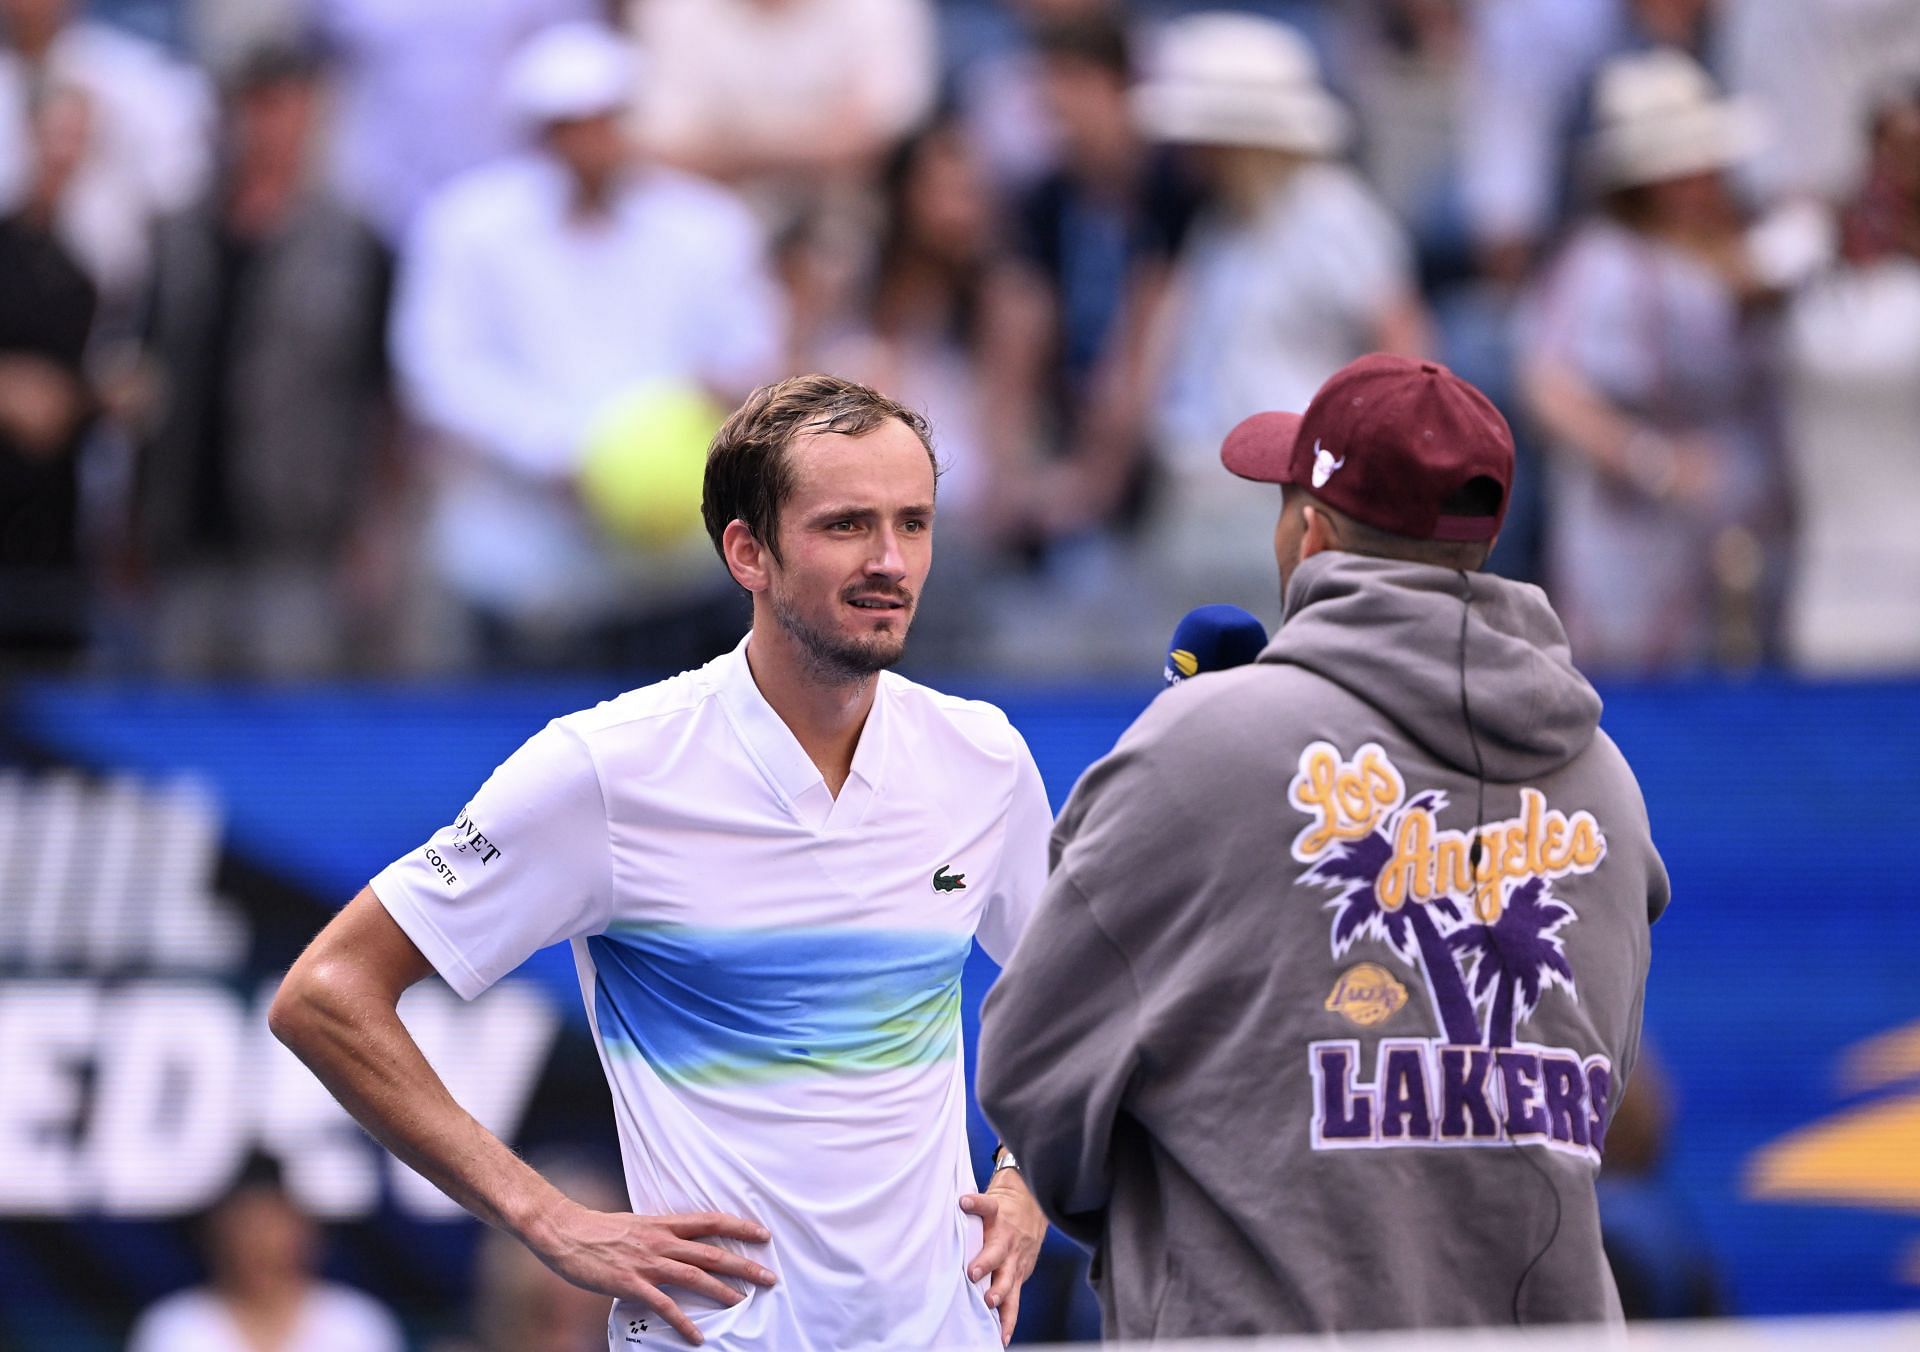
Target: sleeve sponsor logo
(469,839)
(463,838)
(1486,939)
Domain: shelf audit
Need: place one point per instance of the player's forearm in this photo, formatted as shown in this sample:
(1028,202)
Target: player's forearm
(352,1038)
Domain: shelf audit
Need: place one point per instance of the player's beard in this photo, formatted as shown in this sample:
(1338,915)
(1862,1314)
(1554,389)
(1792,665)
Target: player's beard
(833,657)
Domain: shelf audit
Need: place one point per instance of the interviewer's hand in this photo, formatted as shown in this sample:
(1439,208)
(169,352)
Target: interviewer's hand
(1012,1227)
(632,1257)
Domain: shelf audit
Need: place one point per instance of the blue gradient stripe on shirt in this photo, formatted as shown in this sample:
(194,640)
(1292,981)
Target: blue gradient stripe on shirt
(730,1006)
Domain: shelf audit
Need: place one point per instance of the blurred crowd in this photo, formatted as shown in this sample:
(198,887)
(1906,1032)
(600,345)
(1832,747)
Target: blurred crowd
(385,336)
(266,1287)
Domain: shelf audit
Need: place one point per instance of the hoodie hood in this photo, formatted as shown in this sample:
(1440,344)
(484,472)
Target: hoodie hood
(1388,632)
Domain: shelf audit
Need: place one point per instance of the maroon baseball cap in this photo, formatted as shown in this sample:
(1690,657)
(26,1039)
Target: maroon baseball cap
(1389,441)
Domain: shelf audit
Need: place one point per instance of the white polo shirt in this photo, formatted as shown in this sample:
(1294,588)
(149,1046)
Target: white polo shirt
(772,974)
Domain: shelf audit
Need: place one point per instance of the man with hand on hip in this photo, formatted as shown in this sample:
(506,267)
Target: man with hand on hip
(772,870)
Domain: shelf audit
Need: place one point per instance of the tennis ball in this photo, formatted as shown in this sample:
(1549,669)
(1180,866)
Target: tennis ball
(643,463)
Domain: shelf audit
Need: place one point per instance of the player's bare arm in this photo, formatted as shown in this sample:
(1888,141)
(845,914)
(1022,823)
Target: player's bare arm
(338,1011)
(1012,1228)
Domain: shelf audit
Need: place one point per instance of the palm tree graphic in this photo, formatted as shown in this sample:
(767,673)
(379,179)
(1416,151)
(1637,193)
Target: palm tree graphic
(1514,959)
(1411,931)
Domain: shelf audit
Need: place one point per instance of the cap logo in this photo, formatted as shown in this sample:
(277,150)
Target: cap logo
(1324,464)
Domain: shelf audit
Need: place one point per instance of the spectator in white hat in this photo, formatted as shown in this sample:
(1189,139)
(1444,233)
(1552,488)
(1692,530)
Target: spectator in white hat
(1642,360)
(535,295)
(1294,269)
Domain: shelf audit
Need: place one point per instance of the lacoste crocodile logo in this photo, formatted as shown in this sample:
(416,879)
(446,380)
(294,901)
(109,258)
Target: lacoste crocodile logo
(944,881)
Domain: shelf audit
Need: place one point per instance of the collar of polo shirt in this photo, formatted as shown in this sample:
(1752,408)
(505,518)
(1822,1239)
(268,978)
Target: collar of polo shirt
(786,763)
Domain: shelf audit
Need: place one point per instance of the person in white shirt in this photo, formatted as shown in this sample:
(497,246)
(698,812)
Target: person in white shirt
(534,295)
(264,1290)
(771,869)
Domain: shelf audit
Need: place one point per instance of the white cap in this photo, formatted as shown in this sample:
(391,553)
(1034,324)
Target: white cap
(1658,116)
(1239,80)
(571,70)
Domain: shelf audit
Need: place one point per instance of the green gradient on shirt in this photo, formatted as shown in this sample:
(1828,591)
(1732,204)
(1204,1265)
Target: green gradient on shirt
(738,1006)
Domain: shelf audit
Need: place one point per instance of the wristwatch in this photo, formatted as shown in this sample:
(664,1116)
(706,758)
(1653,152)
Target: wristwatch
(1003,1158)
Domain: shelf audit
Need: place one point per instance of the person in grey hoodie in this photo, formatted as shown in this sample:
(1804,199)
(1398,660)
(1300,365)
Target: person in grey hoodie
(1339,973)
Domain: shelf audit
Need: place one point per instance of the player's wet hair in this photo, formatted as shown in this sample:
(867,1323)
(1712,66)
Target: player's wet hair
(749,472)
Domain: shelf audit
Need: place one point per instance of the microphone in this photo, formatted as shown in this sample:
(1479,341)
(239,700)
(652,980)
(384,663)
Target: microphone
(1213,638)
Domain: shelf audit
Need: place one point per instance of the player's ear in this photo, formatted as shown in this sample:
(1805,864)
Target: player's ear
(747,558)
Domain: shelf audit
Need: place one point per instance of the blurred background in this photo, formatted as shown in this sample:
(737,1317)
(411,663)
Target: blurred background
(357,359)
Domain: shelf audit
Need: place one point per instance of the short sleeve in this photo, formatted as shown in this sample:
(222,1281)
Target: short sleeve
(524,865)
(1022,873)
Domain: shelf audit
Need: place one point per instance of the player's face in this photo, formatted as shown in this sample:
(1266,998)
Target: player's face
(856,540)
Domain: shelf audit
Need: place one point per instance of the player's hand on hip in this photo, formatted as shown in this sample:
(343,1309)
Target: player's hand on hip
(1012,1228)
(633,1257)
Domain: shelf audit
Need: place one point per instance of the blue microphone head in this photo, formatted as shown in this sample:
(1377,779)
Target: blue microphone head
(1213,638)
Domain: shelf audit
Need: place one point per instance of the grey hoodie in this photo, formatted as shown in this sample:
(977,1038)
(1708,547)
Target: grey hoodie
(1275,1045)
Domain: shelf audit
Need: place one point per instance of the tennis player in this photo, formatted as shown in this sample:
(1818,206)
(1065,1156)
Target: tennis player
(771,870)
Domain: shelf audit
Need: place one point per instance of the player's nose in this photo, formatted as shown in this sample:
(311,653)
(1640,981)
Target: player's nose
(889,558)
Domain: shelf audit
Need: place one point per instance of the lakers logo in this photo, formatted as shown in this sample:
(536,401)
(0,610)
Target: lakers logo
(1366,994)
